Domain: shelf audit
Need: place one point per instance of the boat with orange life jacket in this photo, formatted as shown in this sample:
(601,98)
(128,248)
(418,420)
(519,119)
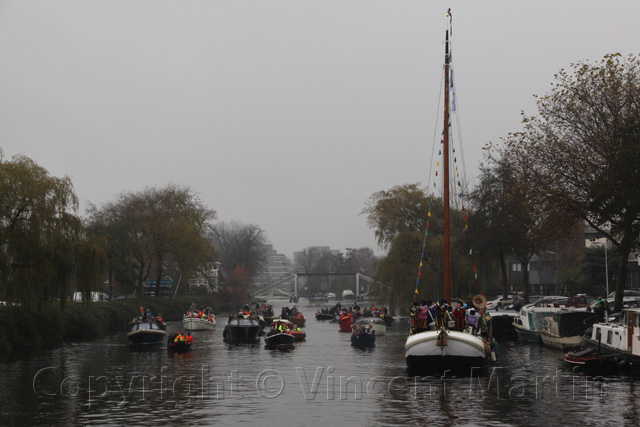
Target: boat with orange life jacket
(179,342)
(280,336)
(345,322)
(198,321)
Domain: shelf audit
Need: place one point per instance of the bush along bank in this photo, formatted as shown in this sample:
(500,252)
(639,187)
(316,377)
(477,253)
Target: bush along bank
(24,332)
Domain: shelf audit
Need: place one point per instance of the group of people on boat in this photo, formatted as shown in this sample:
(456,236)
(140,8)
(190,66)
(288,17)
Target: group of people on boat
(288,313)
(356,312)
(145,315)
(427,315)
(200,313)
(362,329)
(179,336)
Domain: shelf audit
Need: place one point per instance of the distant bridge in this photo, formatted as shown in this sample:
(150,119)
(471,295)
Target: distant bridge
(286,277)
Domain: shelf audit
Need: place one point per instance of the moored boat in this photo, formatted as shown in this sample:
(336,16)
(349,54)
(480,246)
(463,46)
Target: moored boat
(588,360)
(502,324)
(145,333)
(525,322)
(618,337)
(564,329)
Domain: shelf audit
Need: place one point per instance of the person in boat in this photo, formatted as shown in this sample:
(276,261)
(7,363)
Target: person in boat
(473,320)
(422,314)
(600,309)
(172,337)
(179,337)
(431,317)
(294,311)
(189,338)
(485,324)
(192,308)
(459,317)
(413,316)
(442,315)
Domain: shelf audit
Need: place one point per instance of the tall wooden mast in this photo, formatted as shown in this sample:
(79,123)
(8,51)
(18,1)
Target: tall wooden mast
(445,149)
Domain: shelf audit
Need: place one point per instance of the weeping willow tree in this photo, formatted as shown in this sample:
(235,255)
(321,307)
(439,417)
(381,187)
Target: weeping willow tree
(399,218)
(43,252)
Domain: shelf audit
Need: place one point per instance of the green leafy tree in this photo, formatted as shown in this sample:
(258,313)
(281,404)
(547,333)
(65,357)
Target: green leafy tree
(533,223)
(583,150)
(44,253)
(490,200)
(152,229)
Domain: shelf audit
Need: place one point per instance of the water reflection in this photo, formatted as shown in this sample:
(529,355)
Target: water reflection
(322,379)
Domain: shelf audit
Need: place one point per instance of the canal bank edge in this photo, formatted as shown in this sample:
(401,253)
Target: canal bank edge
(28,331)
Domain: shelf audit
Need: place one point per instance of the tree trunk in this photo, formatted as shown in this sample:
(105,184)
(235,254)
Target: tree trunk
(158,276)
(525,282)
(111,285)
(621,280)
(140,286)
(503,271)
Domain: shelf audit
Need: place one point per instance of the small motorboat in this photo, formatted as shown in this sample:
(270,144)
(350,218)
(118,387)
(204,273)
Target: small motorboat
(324,315)
(195,322)
(242,330)
(345,323)
(297,333)
(586,359)
(378,325)
(298,320)
(145,333)
(363,337)
(280,336)
(179,342)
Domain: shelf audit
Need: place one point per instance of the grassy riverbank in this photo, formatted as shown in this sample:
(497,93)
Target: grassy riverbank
(22,331)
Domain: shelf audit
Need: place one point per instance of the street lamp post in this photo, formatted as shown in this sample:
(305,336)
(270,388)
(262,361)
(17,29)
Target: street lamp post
(606,267)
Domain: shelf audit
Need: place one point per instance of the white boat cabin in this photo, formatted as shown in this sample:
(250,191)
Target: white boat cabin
(623,336)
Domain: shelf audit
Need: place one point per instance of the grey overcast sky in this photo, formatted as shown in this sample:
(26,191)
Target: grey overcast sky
(284,114)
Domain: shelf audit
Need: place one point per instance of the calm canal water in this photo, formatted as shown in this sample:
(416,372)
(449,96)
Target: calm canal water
(322,381)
